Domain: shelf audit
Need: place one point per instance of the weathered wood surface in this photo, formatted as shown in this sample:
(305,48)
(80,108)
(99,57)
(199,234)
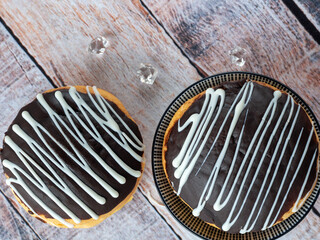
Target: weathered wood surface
(20,82)
(12,225)
(57,35)
(278,46)
(311,9)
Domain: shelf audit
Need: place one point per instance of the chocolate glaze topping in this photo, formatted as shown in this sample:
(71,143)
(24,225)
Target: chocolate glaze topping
(69,150)
(269,169)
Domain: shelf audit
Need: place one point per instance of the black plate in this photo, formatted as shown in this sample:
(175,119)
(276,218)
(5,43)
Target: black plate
(178,208)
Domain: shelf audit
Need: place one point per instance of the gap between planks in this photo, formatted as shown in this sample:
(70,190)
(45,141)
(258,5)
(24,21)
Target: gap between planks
(17,40)
(17,212)
(200,71)
(315,211)
(176,234)
(303,19)
(293,8)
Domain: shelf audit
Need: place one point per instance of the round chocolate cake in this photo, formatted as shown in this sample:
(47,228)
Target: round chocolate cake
(243,156)
(73,156)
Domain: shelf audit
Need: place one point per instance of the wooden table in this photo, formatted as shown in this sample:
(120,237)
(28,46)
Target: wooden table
(43,45)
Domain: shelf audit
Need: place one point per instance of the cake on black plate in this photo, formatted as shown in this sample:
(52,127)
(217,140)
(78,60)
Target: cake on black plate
(243,155)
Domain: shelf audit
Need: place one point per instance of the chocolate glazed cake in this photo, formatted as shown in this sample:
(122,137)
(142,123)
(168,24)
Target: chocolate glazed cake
(73,156)
(243,156)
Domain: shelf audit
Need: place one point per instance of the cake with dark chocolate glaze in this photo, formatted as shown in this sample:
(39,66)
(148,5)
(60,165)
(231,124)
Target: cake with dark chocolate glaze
(73,156)
(243,156)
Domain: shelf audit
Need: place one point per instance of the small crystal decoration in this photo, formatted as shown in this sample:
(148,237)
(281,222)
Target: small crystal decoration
(98,45)
(237,55)
(147,73)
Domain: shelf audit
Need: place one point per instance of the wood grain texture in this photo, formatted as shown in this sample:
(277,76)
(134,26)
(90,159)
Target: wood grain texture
(17,73)
(311,8)
(12,225)
(57,35)
(277,45)
(20,80)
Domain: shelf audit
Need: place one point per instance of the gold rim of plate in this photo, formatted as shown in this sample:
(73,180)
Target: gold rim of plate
(178,208)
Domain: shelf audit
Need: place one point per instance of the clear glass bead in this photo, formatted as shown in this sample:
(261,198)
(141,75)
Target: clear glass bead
(237,56)
(147,73)
(98,45)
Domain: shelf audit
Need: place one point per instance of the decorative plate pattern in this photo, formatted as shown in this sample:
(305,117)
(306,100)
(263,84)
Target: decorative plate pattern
(178,208)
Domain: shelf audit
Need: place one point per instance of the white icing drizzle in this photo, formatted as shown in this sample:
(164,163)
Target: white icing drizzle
(199,125)
(222,125)
(245,228)
(105,120)
(296,207)
(292,180)
(218,204)
(186,159)
(58,162)
(214,174)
